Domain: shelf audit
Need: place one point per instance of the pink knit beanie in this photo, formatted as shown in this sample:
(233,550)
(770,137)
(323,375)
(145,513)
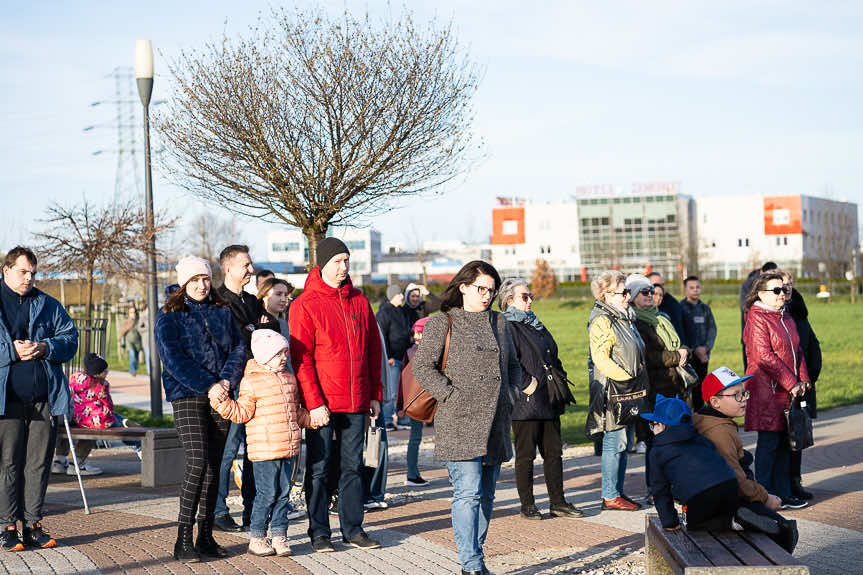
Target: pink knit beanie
(191,266)
(266,343)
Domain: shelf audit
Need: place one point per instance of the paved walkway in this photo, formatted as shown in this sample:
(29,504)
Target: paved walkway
(131,529)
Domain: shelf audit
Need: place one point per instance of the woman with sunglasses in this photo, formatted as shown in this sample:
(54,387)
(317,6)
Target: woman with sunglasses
(474,400)
(535,421)
(778,371)
(616,353)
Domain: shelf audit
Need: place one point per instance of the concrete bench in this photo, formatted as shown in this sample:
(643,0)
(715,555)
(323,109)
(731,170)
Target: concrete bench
(162,459)
(714,552)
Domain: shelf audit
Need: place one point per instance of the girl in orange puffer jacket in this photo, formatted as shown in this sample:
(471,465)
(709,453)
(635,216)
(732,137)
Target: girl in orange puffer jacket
(269,403)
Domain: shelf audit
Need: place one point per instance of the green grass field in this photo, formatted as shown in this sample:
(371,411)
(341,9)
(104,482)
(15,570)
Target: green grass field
(839,327)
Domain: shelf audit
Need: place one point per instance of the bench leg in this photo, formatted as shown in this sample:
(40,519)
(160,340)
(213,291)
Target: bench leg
(656,564)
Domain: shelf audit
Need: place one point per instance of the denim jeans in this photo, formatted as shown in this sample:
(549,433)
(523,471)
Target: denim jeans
(388,406)
(348,427)
(375,478)
(273,499)
(614,461)
(473,487)
(133,361)
(236,437)
(413,455)
(773,462)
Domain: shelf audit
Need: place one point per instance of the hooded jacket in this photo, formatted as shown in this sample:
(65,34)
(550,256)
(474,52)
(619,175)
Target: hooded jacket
(776,364)
(396,328)
(721,431)
(269,405)
(335,346)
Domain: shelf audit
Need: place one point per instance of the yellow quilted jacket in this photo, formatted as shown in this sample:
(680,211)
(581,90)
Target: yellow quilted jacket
(269,405)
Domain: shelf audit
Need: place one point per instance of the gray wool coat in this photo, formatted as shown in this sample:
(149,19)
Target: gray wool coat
(475,393)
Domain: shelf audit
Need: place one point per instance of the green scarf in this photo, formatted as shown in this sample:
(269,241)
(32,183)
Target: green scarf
(661,324)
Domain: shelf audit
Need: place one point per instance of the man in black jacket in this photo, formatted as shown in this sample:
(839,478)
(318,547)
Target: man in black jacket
(396,327)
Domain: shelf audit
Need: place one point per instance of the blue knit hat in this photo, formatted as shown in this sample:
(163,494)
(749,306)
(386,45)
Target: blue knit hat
(669,411)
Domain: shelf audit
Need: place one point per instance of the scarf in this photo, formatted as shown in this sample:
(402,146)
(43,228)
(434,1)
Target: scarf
(527,317)
(661,324)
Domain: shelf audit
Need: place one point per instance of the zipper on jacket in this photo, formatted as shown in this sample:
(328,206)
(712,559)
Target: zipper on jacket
(350,353)
(790,341)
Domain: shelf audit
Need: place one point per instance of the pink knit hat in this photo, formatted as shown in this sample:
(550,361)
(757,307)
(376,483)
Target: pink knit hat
(191,266)
(266,343)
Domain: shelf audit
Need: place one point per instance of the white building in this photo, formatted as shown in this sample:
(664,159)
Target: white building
(289,245)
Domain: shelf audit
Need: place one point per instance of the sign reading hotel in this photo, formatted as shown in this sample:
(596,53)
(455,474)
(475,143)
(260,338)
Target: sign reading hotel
(635,189)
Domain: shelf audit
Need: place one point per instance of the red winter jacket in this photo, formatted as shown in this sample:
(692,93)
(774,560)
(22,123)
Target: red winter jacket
(776,364)
(335,346)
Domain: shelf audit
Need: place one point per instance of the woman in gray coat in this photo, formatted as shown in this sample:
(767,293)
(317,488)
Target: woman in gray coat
(475,394)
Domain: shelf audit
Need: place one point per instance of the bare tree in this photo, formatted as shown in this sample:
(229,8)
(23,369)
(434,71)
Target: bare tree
(208,235)
(90,241)
(314,121)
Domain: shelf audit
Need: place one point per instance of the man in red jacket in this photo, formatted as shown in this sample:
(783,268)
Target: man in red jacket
(336,354)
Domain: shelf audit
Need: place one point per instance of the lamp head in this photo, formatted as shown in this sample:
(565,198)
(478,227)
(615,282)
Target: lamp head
(143,59)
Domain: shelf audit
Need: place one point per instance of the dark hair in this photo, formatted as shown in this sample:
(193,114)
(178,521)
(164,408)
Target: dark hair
(690,279)
(757,286)
(230,252)
(177,300)
(16,252)
(768,266)
(270,283)
(452,296)
(651,274)
(264,274)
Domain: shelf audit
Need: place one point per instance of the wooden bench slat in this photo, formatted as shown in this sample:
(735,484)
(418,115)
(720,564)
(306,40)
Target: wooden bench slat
(678,545)
(767,547)
(741,549)
(713,549)
(111,432)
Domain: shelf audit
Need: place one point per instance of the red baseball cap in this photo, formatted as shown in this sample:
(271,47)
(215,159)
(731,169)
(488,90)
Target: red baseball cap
(718,380)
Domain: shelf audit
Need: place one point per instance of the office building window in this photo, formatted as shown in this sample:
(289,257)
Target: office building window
(286,247)
(747,242)
(739,243)
(785,241)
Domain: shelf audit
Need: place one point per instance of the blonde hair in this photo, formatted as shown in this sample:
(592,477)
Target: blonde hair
(786,276)
(609,278)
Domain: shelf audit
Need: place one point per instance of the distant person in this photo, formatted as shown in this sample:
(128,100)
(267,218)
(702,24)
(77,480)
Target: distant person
(745,288)
(616,353)
(535,420)
(779,373)
(396,327)
(474,395)
(37,337)
(669,306)
(812,353)
(130,340)
(202,350)
(263,276)
(699,333)
(413,479)
(419,302)
(337,356)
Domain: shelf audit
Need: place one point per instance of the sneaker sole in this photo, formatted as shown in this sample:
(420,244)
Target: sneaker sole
(749,518)
(358,546)
(18,547)
(567,515)
(325,550)
(285,554)
(789,506)
(412,484)
(531,517)
(265,554)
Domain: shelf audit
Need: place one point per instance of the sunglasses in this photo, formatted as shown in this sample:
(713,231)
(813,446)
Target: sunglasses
(778,290)
(626,291)
(739,396)
(527,296)
(646,291)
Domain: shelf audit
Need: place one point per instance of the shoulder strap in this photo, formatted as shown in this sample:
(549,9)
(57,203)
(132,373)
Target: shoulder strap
(446,342)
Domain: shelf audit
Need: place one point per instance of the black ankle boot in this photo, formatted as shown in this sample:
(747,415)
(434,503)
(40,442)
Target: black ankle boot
(205,544)
(798,491)
(788,535)
(183,549)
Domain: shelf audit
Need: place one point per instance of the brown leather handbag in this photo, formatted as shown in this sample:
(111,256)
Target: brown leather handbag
(419,404)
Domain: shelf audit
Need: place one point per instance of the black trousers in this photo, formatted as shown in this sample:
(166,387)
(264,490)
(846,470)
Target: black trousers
(202,434)
(796,463)
(544,434)
(714,507)
(27,439)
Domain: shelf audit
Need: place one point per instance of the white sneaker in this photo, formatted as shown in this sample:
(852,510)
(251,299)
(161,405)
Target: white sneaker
(281,547)
(84,469)
(261,547)
(371,505)
(641,447)
(58,467)
(296,514)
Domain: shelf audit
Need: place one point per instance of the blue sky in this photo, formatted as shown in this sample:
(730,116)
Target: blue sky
(726,97)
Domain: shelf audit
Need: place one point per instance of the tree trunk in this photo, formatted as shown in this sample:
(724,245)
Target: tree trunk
(313,236)
(88,313)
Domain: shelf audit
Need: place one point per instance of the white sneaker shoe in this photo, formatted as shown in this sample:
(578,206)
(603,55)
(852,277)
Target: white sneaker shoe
(58,467)
(296,514)
(641,447)
(261,547)
(84,469)
(281,547)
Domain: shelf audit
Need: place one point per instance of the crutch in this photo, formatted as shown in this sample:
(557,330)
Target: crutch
(75,461)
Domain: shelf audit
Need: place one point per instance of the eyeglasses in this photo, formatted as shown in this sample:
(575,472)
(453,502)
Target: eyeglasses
(738,396)
(626,291)
(779,290)
(527,296)
(482,290)
(646,291)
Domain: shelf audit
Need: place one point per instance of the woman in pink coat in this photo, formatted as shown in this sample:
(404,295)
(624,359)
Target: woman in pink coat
(778,371)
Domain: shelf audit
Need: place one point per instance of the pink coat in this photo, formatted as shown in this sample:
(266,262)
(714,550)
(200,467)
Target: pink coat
(776,363)
(91,399)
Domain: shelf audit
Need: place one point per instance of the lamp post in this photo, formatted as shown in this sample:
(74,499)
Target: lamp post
(144,77)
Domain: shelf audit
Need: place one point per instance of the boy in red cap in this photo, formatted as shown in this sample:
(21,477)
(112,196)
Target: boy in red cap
(724,399)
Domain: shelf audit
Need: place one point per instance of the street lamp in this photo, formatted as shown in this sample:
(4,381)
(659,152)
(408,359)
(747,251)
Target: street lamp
(144,76)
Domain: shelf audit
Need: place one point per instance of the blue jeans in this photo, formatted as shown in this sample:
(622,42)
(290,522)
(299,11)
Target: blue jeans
(773,462)
(236,437)
(348,427)
(273,499)
(375,478)
(133,361)
(414,448)
(473,487)
(388,405)
(614,461)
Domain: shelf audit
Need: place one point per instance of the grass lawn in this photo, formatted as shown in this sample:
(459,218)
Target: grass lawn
(839,327)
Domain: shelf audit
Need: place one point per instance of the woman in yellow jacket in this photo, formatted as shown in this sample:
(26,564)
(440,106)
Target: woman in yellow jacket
(269,403)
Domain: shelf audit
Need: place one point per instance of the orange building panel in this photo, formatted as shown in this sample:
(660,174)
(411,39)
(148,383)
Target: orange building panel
(782,215)
(507,225)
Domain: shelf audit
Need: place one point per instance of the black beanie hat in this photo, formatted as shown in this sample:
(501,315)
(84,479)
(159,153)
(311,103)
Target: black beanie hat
(94,364)
(328,248)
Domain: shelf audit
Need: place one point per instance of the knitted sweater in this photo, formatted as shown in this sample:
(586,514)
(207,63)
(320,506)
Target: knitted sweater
(475,392)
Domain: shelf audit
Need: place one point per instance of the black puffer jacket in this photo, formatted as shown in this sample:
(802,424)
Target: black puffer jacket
(809,344)
(396,327)
(528,344)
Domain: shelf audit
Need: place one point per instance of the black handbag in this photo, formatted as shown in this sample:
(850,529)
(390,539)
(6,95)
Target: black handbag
(556,381)
(687,376)
(799,426)
(626,401)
